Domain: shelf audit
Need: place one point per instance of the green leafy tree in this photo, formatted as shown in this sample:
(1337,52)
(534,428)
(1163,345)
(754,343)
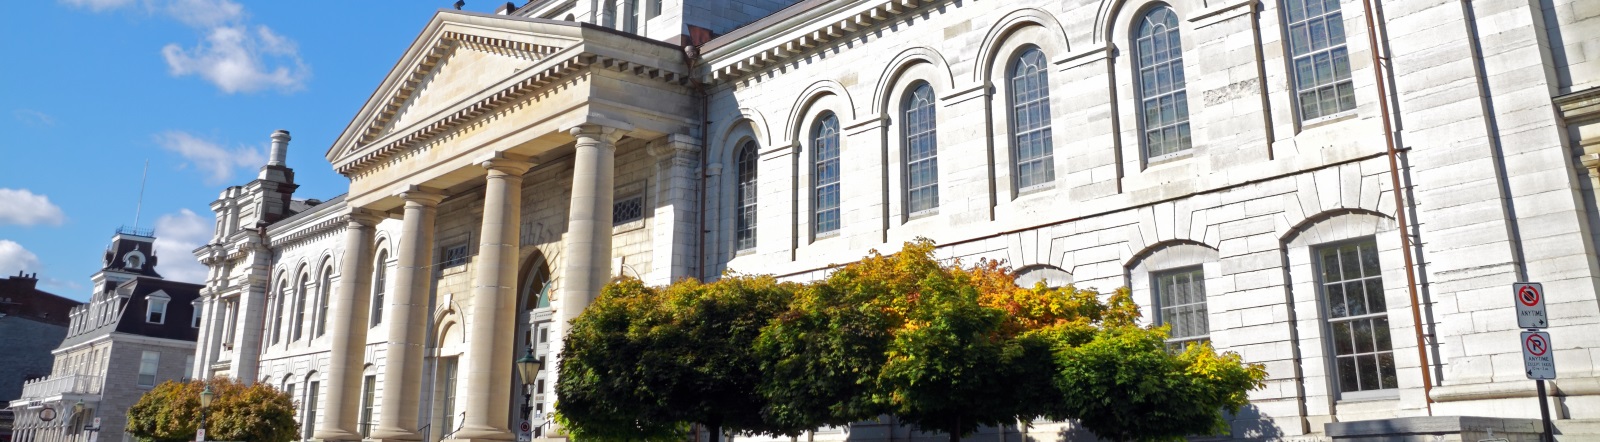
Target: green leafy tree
(642,362)
(171,413)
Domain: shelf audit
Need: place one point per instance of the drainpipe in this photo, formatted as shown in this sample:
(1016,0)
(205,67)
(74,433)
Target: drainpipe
(1399,209)
(691,58)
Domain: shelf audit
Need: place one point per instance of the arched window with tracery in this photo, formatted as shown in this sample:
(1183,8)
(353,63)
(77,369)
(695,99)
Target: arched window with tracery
(304,289)
(825,175)
(324,294)
(921,173)
(1163,102)
(1033,156)
(745,194)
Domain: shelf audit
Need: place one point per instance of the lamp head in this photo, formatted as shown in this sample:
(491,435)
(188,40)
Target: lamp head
(529,366)
(78,407)
(205,397)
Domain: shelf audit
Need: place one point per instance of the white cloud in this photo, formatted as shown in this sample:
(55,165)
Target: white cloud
(233,54)
(33,118)
(24,208)
(97,5)
(177,235)
(237,60)
(214,160)
(14,258)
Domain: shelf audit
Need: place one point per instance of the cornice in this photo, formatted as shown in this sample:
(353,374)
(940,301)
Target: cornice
(308,232)
(733,61)
(532,82)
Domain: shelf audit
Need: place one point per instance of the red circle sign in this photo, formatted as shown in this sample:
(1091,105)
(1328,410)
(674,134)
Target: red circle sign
(526,427)
(1528,296)
(1536,345)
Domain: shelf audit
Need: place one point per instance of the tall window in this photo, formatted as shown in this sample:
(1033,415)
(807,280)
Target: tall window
(277,319)
(1358,319)
(157,311)
(1181,297)
(324,290)
(447,407)
(921,151)
(312,390)
(825,174)
(745,194)
(1321,64)
(148,361)
(380,281)
(1163,104)
(194,315)
(367,388)
(297,328)
(1030,120)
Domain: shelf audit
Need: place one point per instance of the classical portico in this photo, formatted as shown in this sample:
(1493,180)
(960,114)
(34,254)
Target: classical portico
(550,97)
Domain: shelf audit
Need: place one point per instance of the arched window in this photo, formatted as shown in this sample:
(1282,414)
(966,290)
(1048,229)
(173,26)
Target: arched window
(323,295)
(608,15)
(298,326)
(277,319)
(921,174)
(745,194)
(380,281)
(1163,104)
(825,175)
(1033,157)
(1321,64)
(630,16)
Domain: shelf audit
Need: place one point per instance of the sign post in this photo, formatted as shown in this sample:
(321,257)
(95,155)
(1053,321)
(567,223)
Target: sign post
(1538,355)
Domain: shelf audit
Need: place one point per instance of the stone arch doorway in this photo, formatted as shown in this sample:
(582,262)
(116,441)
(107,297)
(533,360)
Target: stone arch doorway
(534,318)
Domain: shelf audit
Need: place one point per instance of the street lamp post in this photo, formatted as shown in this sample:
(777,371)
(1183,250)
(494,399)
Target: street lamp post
(529,367)
(205,402)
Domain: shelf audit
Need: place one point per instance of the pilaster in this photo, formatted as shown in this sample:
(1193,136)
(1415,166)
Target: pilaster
(677,201)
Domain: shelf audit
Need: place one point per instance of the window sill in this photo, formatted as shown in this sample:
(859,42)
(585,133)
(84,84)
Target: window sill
(1358,397)
(826,235)
(921,214)
(1169,158)
(1036,189)
(1327,120)
(744,252)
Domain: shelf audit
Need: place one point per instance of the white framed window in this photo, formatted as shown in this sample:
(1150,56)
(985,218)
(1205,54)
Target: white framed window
(368,387)
(921,153)
(297,328)
(1321,63)
(324,294)
(1351,285)
(380,284)
(313,390)
(156,308)
(825,176)
(281,311)
(194,317)
(148,362)
(1032,152)
(1180,297)
(745,197)
(1163,100)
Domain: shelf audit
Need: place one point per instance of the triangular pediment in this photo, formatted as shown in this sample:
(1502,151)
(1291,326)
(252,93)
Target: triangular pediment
(458,56)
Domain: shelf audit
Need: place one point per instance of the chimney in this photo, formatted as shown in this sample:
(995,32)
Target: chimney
(508,9)
(280,148)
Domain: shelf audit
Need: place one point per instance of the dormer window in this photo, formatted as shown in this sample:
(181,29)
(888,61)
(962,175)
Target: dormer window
(156,308)
(133,260)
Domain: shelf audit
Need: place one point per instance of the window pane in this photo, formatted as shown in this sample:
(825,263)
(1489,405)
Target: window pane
(1347,374)
(1341,339)
(1386,371)
(1161,82)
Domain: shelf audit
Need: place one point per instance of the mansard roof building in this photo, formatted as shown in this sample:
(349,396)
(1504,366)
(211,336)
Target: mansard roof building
(510,163)
(137,330)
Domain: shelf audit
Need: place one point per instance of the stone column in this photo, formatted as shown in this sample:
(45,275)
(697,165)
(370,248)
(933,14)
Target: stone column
(349,329)
(408,313)
(493,310)
(586,258)
(674,224)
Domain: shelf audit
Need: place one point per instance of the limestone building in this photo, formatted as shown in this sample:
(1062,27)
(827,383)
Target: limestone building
(137,330)
(511,162)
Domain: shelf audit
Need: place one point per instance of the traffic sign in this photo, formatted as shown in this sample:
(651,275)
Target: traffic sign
(1538,357)
(1530,304)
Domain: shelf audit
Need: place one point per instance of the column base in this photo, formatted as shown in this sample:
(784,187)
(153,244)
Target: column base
(335,436)
(482,434)
(394,435)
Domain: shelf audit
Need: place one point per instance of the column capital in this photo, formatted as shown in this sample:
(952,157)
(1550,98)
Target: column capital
(425,196)
(608,132)
(505,163)
(362,217)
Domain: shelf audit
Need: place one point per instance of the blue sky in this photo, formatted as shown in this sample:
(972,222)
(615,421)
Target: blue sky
(94,88)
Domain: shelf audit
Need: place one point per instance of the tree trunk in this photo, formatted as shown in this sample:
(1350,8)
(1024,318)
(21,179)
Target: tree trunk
(955,433)
(716,432)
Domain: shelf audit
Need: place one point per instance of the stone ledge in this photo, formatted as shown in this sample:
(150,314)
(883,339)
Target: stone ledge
(1431,425)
